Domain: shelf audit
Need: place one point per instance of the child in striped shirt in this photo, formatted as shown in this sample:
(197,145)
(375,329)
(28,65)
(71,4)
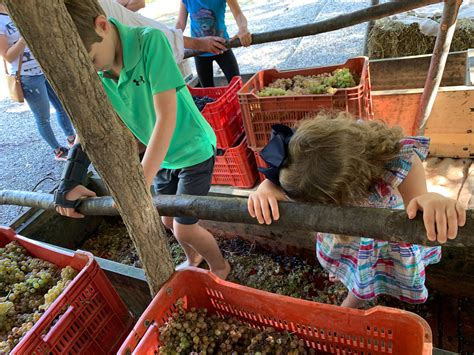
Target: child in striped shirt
(365,163)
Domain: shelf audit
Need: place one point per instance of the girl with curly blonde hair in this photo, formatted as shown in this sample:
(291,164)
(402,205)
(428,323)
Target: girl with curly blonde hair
(365,163)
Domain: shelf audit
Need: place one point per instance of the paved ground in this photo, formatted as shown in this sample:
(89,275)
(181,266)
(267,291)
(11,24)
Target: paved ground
(26,160)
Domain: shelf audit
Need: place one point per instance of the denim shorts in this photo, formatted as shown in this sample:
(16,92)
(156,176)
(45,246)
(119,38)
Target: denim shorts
(192,180)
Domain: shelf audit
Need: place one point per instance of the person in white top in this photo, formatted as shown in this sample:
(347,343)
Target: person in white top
(120,11)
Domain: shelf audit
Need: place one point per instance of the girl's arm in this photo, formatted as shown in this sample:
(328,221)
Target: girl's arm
(243,34)
(182,17)
(441,215)
(10,54)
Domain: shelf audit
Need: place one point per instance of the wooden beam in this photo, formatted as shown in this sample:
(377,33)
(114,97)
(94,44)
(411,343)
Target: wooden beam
(369,29)
(438,62)
(333,24)
(378,223)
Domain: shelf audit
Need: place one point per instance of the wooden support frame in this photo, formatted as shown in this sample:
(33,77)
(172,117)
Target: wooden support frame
(438,62)
(371,13)
(383,224)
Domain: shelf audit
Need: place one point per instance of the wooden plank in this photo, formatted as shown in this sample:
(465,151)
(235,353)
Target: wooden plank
(410,72)
(449,314)
(470,67)
(396,109)
(268,237)
(451,145)
(453,112)
(399,107)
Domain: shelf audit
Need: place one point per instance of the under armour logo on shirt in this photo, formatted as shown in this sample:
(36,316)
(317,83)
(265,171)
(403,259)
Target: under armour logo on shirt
(138,82)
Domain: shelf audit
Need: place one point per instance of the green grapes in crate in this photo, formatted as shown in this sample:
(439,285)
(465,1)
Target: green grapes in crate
(28,286)
(326,83)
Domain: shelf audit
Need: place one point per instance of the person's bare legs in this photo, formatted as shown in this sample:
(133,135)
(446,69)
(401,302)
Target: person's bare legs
(352,301)
(193,258)
(203,243)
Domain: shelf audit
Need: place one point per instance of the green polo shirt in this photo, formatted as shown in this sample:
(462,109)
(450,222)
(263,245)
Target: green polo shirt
(149,68)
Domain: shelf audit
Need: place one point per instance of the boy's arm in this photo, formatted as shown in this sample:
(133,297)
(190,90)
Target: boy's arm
(165,108)
(243,34)
(182,17)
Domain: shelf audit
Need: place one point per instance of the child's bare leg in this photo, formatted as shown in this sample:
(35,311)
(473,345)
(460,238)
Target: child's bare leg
(193,258)
(203,243)
(352,301)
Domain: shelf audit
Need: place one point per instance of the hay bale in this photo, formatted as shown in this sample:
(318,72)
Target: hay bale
(390,39)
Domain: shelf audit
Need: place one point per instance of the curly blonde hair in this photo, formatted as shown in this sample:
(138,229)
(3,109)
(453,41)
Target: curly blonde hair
(335,159)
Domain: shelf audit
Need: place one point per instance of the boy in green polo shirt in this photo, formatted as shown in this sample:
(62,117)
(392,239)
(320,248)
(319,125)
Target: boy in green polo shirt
(143,82)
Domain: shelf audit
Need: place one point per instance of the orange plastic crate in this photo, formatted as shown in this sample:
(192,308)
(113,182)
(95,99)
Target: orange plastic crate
(236,167)
(326,328)
(224,114)
(260,113)
(95,321)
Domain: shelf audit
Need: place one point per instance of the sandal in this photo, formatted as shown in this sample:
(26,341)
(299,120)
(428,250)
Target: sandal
(60,154)
(70,141)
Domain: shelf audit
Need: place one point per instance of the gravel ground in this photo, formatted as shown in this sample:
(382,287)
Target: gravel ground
(26,160)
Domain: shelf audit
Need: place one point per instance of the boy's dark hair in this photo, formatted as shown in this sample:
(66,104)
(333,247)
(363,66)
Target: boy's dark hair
(84,16)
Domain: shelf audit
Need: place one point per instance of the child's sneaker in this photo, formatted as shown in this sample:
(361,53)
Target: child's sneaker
(70,141)
(60,154)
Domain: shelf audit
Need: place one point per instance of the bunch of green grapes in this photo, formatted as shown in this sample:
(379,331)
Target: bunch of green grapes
(28,286)
(325,83)
(67,275)
(197,332)
(342,78)
(283,83)
(268,91)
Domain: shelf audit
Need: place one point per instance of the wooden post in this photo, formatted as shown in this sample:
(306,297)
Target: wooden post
(379,223)
(336,23)
(333,24)
(438,62)
(370,25)
(52,37)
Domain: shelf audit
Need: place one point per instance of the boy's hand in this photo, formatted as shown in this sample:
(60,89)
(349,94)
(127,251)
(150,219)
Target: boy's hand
(265,198)
(245,36)
(212,44)
(79,192)
(441,215)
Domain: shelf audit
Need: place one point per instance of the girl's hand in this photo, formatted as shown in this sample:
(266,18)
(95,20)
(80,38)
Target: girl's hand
(265,199)
(244,35)
(441,215)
